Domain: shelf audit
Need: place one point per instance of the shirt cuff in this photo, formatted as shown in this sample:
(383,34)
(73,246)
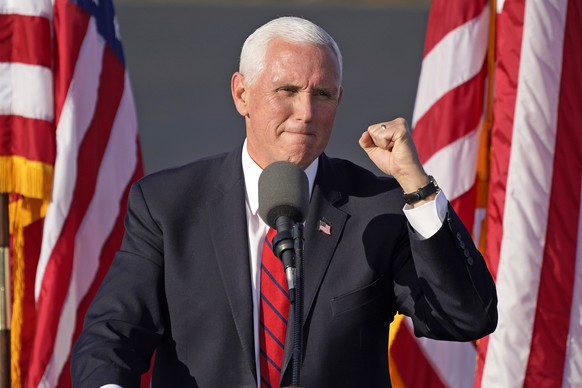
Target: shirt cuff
(428,218)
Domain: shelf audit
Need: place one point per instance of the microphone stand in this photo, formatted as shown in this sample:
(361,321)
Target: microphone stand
(298,305)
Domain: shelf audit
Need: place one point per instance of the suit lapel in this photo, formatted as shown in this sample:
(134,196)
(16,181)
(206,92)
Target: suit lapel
(319,245)
(228,226)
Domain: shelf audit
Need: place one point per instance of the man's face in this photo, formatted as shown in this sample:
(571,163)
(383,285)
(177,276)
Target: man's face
(290,108)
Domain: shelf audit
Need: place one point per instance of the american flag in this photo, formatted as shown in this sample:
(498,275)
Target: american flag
(70,94)
(325,227)
(501,137)
(534,242)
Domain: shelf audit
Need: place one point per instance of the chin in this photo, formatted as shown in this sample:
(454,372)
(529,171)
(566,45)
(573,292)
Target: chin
(303,161)
(300,155)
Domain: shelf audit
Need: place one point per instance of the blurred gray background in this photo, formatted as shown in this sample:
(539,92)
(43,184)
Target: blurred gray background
(181,55)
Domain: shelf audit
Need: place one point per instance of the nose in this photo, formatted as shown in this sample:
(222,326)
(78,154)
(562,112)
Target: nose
(304,107)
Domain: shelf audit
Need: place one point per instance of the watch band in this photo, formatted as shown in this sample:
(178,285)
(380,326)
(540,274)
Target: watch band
(420,194)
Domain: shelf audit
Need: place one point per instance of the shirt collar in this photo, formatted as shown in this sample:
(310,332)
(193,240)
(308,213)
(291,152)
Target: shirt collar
(252,171)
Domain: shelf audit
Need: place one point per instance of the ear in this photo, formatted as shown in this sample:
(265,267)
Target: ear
(341,93)
(239,93)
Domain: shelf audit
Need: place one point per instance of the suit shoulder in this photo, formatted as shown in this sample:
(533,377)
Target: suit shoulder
(194,182)
(199,169)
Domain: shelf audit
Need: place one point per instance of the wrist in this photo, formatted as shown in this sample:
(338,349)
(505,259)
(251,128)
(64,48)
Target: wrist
(423,193)
(412,182)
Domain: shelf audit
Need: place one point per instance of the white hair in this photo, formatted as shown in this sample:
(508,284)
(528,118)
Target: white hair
(288,28)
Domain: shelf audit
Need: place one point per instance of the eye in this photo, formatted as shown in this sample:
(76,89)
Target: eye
(289,89)
(322,94)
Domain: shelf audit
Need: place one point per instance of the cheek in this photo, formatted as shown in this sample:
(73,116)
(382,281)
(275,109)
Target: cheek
(327,114)
(273,113)
(326,121)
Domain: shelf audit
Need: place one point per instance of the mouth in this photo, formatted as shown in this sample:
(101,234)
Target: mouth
(299,133)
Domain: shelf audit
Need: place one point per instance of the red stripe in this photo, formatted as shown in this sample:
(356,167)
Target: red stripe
(452,117)
(30,138)
(446,15)
(552,320)
(70,27)
(108,252)
(25,39)
(509,37)
(465,205)
(58,271)
(419,373)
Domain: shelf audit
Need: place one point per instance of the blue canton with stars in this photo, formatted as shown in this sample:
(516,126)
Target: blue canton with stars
(104,14)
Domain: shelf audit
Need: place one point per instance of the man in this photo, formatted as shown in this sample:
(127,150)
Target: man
(186,282)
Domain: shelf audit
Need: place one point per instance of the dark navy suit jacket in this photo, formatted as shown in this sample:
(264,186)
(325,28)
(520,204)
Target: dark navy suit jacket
(180,284)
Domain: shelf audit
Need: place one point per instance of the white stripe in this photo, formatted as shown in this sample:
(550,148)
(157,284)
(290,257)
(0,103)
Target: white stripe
(454,362)
(453,177)
(457,58)
(26,90)
(573,367)
(527,198)
(480,214)
(116,170)
(27,7)
(77,113)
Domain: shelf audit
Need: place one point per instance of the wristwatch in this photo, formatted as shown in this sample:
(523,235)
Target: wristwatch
(420,194)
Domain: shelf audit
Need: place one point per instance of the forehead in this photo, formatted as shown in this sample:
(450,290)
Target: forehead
(289,59)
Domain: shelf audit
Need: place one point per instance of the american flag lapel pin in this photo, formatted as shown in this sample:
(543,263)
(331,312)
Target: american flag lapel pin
(325,227)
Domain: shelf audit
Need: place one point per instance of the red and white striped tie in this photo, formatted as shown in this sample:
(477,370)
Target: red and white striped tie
(273,314)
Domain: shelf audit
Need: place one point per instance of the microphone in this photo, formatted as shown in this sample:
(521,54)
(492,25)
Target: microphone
(283,202)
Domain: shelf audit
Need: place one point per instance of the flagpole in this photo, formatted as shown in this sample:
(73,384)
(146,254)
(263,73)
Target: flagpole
(484,153)
(4,294)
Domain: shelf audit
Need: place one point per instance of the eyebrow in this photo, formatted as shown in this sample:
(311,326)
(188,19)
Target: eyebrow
(327,92)
(287,86)
(316,90)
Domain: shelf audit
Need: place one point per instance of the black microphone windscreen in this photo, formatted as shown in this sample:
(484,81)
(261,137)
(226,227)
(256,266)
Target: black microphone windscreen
(283,191)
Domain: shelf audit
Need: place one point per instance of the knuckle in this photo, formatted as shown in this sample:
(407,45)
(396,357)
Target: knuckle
(400,122)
